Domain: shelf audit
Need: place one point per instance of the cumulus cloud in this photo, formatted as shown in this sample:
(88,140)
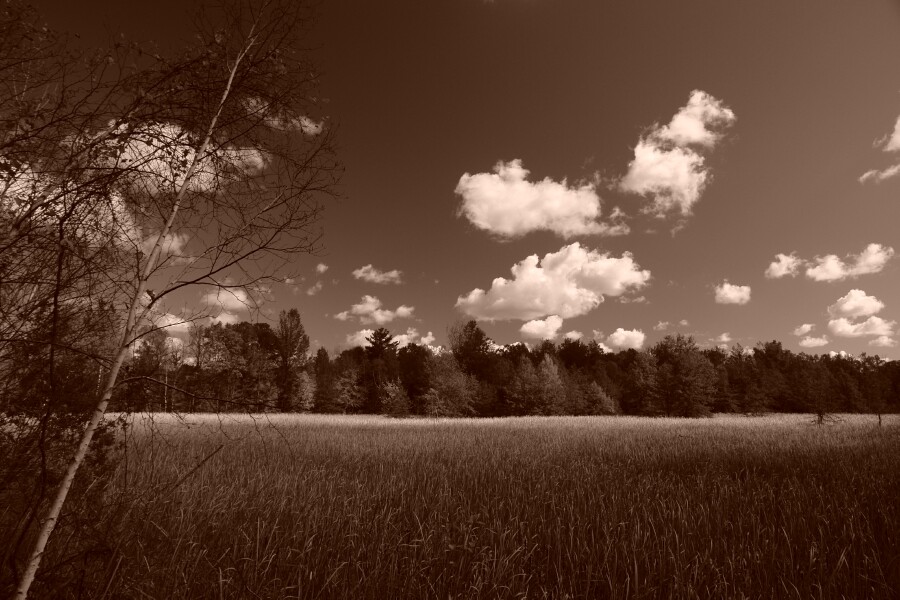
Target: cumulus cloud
(542,329)
(229,300)
(359,338)
(661,326)
(314,289)
(369,310)
(813,342)
(727,293)
(623,339)
(889,143)
(172,324)
(573,335)
(668,164)
(505,203)
(321,268)
(412,336)
(875,326)
(724,338)
(568,283)
(784,265)
(373,275)
(683,322)
(832,268)
(883,341)
(856,304)
(804,329)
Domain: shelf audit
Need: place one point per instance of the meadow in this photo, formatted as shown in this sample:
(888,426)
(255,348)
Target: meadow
(280,506)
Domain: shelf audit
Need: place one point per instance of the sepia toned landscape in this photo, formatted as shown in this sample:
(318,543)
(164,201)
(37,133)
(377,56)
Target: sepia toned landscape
(449,299)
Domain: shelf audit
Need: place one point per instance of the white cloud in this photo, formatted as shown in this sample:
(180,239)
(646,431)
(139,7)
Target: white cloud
(636,300)
(410,337)
(358,338)
(784,265)
(229,299)
(724,338)
(573,335)
(661,326)
(542,329)
(668,165)
(314,289)
(883,341)
(727,293)
(683,322)
(226,318)
(623,339)
(831,268)
(172,324)
(369,311)
(373,275)
(321,268)
(856,304)
(875,326)
(813,342)
(507,204)
(842,354)
(889,143)
(568,283)
(804,329)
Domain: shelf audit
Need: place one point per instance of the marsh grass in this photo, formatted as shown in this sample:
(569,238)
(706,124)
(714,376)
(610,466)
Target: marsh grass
(618,507)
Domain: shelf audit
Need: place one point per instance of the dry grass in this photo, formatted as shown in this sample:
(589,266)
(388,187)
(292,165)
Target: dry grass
(366,507)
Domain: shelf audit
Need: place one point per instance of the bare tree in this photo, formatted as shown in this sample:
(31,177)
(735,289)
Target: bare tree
(155,174)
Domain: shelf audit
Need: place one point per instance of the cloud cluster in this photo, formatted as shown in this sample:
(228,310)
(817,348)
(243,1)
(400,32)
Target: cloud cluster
(369,310)
(831,267)
(507,204)
(542,329)
(727,293)
(230,302)
(373,275)
(889,143)
(875,326)
(669,164)
(568,283)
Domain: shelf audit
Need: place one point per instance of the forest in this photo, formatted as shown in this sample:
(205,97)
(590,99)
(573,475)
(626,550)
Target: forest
(256,367)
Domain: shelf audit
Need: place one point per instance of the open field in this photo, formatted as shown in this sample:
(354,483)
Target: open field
(364,507)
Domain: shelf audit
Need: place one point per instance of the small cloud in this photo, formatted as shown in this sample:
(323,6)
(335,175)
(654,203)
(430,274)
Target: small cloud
(889,143)
(568,283)
(542,329)
(856,304)
(573,335)
(804,329)
(813,342)
(883,341)
(684,323)
(369,310)
(506,204)
(831,268)
(623,339)
(874,326)
(373,275)
(359,338)
(784,265)
(321,268)
(727,293)
(724,338)
(668,162)
(315,289)
(637,300)
(661,326)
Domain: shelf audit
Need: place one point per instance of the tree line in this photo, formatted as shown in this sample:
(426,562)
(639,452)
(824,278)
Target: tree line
(253,366)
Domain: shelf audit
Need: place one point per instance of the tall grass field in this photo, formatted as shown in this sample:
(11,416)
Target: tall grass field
(285,506)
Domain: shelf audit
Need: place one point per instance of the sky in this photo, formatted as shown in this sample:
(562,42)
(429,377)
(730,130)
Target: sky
(617,171)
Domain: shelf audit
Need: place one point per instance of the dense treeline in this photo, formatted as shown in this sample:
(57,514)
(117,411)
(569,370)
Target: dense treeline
(248,366)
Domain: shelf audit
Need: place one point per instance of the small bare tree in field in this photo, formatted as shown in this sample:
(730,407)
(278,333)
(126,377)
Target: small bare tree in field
(126,177)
